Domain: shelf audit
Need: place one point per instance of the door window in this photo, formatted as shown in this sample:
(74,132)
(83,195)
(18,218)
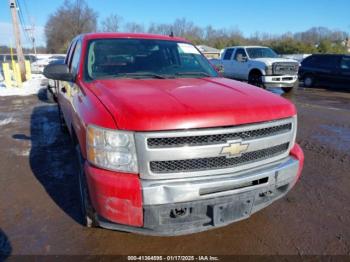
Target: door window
(345,63)
(68,59)
(240,55)
(327,61)
(76,58)
(228,54)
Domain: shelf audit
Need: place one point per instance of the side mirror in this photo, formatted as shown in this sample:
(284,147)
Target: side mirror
(219,69)
(58,72)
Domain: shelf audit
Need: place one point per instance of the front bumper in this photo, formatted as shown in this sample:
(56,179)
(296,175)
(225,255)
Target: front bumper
(279,81)
(177,207)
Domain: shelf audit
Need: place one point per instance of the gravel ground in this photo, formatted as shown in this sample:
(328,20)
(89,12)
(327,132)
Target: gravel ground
(39,207)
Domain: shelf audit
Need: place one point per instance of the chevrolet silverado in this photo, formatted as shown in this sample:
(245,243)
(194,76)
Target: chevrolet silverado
(166,146)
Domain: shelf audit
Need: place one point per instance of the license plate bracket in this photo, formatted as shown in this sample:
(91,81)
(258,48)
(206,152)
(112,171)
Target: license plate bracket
(227,213)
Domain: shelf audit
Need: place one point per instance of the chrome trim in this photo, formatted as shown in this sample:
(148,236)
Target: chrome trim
(183,190)
(146,154)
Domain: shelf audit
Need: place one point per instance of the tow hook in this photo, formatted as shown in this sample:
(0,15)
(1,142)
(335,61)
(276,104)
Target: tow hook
(265,194)
(179,212)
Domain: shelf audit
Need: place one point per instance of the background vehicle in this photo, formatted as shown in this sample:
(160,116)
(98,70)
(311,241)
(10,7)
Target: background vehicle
(165,145)
(329,70)
(258,65)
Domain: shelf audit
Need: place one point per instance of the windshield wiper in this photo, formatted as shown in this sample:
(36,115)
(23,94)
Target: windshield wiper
(142,74)
(193,73)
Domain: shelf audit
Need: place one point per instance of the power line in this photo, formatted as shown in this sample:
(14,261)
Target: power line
(26,9)
(30,30)
(22,22)
(21,18)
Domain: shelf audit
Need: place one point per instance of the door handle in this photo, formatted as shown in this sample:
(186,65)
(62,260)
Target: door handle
(64,90)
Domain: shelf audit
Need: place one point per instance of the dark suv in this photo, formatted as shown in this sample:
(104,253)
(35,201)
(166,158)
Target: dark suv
(328,70)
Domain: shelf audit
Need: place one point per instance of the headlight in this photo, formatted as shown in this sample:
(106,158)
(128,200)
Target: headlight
(295,127)
(111,149)
(268,70)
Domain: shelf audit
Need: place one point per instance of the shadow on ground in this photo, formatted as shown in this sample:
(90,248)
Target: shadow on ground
(5,246)
(52,159)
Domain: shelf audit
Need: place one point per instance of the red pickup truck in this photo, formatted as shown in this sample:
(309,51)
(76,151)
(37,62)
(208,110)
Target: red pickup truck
(166,145)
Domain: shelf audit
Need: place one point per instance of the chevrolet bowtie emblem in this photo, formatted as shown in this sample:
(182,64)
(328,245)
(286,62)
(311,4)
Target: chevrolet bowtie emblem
(234,149)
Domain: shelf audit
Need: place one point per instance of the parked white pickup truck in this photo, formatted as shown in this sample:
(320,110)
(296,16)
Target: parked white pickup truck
(258,65)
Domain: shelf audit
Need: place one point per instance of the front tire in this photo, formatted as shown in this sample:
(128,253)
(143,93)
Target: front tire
(309,81)
(63,125)
(287,89)
(49,96)
(255,79)
(88,214)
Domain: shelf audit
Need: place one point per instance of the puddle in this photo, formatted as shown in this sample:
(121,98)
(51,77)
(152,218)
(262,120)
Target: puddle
(277,91)
(338,137)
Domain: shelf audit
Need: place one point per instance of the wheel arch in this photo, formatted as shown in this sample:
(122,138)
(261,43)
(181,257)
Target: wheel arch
(255,70)
(74,136)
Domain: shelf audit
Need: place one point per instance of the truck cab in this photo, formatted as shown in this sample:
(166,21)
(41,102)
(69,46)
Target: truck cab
(259,66)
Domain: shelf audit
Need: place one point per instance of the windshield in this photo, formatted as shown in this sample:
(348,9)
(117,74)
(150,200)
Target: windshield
(261,52)
(144,58)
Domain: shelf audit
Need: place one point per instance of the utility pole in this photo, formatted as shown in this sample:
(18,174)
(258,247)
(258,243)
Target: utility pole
(16,32)
(31,31)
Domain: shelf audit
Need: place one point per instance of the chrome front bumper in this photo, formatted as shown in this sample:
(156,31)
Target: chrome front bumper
(184,206)
(279,81)
(172,191)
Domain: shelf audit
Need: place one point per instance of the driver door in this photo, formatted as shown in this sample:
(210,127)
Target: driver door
(240,65)
(68,89)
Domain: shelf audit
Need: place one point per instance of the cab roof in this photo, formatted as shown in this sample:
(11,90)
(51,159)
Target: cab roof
(90,36)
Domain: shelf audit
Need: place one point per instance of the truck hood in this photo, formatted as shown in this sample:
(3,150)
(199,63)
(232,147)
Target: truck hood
(183,103)
(270,61)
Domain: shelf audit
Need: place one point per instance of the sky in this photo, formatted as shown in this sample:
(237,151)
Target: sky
(250,16)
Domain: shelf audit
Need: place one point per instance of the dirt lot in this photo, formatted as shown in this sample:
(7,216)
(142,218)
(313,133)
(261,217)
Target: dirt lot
(39,210)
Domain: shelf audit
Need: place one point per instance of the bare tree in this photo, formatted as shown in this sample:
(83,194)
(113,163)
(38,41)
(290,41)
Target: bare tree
(162,29)
(112,23)
(135,28)
(71,19)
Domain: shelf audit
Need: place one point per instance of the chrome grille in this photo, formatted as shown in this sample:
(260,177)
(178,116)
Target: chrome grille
(198,152)
(199,164)
(216,139)
(285,68)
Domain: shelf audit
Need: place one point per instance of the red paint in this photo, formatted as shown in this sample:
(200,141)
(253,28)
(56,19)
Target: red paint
(167,104)
(90,36)
(115,196)
(88,109)
(298,154)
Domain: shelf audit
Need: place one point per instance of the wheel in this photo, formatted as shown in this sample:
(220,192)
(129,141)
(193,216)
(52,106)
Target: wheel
(287,89)
(255,79)
(88,214)
(50,97)
(309,81)
(63,125)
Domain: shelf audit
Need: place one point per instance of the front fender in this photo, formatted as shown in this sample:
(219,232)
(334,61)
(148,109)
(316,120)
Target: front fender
(88,109)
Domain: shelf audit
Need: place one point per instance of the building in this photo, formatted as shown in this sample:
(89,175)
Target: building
(346,43)
(209,52)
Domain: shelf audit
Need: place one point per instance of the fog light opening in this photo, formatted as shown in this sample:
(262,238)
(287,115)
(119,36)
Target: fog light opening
(283,188)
